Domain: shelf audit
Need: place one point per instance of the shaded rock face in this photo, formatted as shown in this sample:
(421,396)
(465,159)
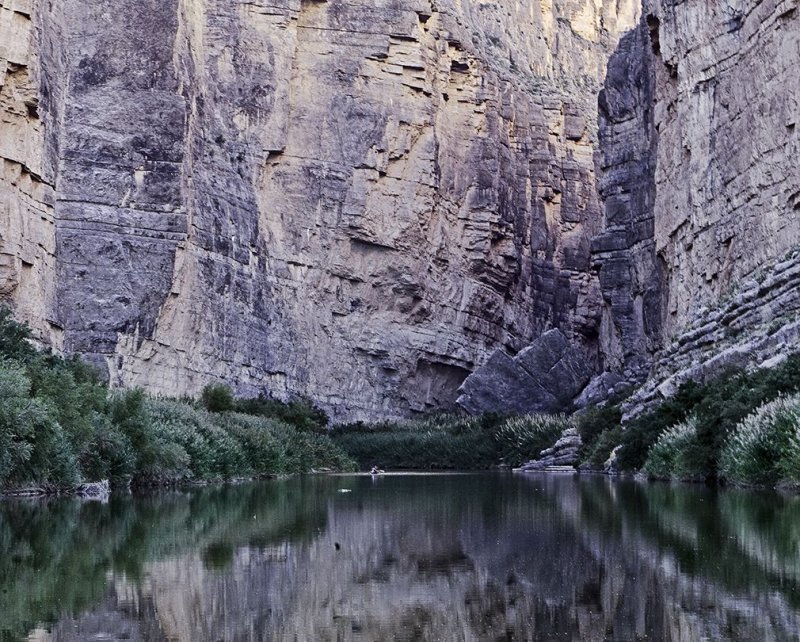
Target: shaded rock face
(624,253)
(544,377)
(358,202)
(698,177)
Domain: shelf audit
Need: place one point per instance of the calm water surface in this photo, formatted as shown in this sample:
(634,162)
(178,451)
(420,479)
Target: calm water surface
(406,557)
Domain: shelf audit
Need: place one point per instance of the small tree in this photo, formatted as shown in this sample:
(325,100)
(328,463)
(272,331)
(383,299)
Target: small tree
(217,397)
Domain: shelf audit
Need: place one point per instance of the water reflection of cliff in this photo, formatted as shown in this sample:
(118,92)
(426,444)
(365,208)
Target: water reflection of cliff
(458,557)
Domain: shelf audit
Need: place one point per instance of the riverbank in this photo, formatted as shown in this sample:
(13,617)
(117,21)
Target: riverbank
(742,428)
(60,428)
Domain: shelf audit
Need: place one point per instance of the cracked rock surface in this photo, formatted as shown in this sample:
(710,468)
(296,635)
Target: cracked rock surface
(354,201)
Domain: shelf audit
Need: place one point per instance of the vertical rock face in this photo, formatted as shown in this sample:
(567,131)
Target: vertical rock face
(727,186)
(29,95)
(698,176)
(624,253)
(360,202)
(353,201)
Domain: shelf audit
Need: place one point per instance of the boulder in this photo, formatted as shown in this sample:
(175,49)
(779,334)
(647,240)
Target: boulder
(562,455)
(544,377)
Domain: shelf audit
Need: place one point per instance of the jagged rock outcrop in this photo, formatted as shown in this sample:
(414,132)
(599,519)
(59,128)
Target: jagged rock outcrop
(560,457)
(354,201)
(544,377)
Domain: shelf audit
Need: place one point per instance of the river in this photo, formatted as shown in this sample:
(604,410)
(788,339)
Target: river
(405,557)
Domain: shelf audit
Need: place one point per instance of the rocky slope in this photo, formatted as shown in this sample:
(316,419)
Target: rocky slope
(361,202)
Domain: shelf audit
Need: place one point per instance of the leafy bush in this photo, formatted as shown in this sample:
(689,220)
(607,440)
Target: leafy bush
(594,422)
(300,413)
(217,397)
(670,456)
(14,338)
(764,446)
(600,450)
(33,447)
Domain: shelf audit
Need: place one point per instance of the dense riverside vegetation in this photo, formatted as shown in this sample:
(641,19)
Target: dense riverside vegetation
(59,426)
(741,427)
(448,442)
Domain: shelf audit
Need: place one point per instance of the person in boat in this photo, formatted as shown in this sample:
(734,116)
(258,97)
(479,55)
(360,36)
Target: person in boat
(375,471)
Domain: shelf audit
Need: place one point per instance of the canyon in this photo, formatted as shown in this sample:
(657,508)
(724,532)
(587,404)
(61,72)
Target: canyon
(369,203)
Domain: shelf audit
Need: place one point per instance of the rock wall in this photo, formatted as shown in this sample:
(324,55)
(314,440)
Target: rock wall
(353,201)
(29,96)
(361,202)
(701,193)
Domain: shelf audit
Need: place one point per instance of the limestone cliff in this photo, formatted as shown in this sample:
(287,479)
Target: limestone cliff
(700,187)
(353,201)
(363,201)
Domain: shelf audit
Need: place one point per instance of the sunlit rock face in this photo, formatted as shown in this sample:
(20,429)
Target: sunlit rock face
(353,201)
(30,95)
(362,201)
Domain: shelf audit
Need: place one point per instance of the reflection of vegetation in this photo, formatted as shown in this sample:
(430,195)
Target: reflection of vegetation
(56,554)
(445,442)
(59,425)
(741,540)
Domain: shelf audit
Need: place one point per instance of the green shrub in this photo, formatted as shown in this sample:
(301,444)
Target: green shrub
(601,449)
(212,452)
(670,456)
(264,450)
(217,397)
(300,413)
(14,338)
(59,425)
(763,446)
(33,447)
(594,422)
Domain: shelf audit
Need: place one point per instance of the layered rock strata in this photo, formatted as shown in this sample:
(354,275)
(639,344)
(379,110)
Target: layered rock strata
(759,326)
(357,202)
(698,140)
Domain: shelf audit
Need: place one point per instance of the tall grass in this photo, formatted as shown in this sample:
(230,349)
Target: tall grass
(716,407)
(520,439)
(765,446)
(671,455)
(450,442)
